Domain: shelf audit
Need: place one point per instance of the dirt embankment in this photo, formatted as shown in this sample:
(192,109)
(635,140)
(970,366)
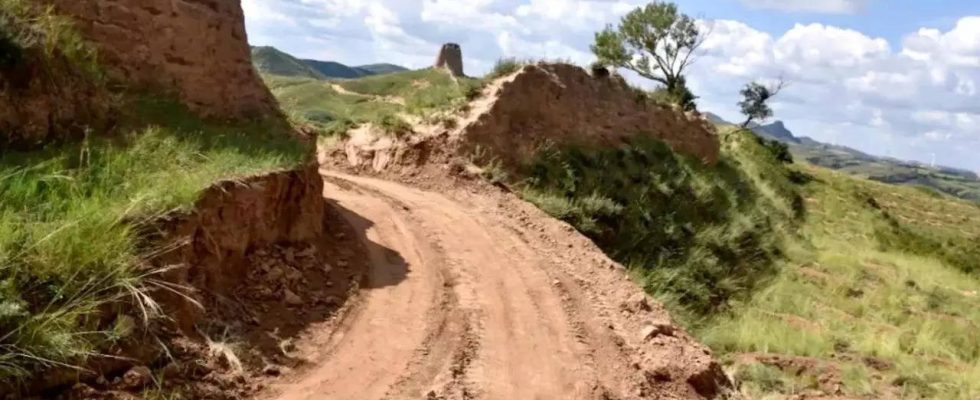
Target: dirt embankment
(196,48)
(563,104)
(471,293)
(542,104)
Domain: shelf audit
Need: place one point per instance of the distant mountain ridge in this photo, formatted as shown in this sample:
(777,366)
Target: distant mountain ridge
(954,181)
(271,60)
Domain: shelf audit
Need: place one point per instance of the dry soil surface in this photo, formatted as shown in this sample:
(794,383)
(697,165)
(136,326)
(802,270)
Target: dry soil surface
(471,293)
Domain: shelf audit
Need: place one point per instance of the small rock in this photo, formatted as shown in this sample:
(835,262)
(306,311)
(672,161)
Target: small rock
(275,273)
(308,252)
(293,275)
(342,263)
(327,267)
(291,298)
(653,330)
(332,300)
(137,377)
(171,371)
(340,235)
(636,303)
(290,255)
(271,370)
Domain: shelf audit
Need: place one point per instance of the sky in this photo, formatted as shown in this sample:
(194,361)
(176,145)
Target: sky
(897,78)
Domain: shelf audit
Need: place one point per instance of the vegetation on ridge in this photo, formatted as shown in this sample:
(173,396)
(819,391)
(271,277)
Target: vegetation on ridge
(701,236)
(69,212)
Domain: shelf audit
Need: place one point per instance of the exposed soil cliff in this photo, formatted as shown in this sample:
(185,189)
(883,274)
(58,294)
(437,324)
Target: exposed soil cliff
(543,104)
(563,104)
(210,244)
(197,48)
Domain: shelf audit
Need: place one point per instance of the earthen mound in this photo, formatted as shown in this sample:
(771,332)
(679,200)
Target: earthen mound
(563,104)
(517,115)
(195,48)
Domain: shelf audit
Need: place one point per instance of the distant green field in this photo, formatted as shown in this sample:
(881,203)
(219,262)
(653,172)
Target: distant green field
(335,106)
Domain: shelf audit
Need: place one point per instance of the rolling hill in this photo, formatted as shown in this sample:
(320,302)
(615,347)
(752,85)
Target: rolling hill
(953,181)
(270,60)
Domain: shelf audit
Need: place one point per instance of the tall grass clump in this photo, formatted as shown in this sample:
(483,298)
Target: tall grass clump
(505,66)
(70,212)
(699,236)
(34,34)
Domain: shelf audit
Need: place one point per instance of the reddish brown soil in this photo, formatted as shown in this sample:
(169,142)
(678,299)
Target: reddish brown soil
(472,293)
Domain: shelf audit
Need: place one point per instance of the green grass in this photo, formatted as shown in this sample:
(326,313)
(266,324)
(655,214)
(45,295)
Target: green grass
(70,212)
(36,35)
(759,257)
(843,295)
(424,91)
(316,102)
(506,66)
(700,237)
(382,100)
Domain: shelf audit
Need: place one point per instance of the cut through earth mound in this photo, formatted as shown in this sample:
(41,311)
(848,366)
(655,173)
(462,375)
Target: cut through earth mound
(517,115)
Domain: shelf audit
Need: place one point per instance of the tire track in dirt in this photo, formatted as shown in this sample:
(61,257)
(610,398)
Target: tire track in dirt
(401,303)
(474,296)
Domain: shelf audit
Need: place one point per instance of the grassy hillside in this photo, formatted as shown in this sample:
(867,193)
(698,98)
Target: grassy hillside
(702,237)
(805,281)
(330,69)
(69,251)
(270,60)
(384,100)
(955,182)
(379,69)
(883,317)
(68,246)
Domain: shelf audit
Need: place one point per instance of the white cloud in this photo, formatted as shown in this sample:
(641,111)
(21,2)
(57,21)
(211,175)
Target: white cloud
(844,85)
(819,6)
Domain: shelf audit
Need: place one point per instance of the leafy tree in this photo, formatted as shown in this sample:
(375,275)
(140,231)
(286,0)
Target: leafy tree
(657,42)
(755,101)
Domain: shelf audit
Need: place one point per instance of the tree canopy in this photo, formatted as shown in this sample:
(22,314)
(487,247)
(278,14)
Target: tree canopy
(755,101)
(656,41)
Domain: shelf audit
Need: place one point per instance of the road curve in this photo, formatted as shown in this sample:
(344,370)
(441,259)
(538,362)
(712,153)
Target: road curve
(473,295)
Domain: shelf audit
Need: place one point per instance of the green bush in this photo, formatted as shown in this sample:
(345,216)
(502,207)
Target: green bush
(699,235)
(504,67)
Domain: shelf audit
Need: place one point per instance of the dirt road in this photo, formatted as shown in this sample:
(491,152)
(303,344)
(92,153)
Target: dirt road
(476,295)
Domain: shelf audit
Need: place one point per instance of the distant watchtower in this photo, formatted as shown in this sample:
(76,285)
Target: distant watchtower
(451,58)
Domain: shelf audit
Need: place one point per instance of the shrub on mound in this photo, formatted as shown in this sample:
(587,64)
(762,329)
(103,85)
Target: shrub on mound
(700,236)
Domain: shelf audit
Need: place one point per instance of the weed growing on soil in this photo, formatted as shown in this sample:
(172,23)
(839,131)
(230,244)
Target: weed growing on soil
(699,236)
(504,67)
(428,93)
(67,221)
(36,32)
(893,319)
(424,91)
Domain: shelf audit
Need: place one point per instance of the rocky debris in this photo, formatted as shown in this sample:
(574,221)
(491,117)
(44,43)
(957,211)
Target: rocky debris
(136,378)
(656,329)
(451,58)
(197,49)
(636,304)
(230,219)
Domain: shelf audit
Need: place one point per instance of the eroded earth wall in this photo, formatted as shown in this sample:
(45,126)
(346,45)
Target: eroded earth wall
(563,104)
(196,48)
